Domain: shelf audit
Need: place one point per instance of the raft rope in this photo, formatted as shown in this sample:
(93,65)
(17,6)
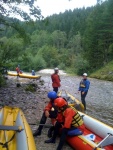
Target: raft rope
(5,145)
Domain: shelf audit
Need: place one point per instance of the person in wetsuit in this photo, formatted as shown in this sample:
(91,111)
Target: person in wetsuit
(49,111)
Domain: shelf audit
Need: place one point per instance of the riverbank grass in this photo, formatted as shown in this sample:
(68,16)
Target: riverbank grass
(105,73)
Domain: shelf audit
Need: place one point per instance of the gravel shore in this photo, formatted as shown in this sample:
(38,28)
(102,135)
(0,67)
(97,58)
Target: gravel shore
(99,101)
(31,103)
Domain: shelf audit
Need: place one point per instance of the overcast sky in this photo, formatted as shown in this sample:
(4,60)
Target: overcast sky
(49,7)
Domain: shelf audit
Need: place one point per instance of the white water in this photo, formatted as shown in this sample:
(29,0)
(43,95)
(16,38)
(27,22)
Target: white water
(50,71)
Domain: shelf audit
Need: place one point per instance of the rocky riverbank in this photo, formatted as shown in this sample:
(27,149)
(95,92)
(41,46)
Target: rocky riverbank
(31,103)
(99,100)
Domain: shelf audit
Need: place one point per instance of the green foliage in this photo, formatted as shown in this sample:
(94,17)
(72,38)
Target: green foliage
(2,80)
(99,35)
(10,48)
(50,55)
(104,73)
(62,66)
(59,39)
(31,87)
(29,62)
(81,65)
(78,41)
(38,62)
(11,8)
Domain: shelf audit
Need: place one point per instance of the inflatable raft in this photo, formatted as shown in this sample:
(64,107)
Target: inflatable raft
(12,73)
(72,101)
(97,136)
(23,75)
(15,132)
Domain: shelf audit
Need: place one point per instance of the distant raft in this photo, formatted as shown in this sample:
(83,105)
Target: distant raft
(12,73)
(23,75)
(15,132)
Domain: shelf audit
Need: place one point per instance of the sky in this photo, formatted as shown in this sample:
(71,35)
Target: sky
(49,7)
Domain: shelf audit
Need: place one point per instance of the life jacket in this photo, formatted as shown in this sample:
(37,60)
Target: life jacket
(55,80)
(17,69)
(82,84)
(77,120)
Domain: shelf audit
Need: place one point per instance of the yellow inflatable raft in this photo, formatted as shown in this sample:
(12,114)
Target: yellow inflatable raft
(15,132)
(72,101)
(23,75)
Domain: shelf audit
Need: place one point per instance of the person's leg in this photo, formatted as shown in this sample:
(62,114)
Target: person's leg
(55,133)
(62,139)
(55,89)
(50,132)
(83,99)
(42,121)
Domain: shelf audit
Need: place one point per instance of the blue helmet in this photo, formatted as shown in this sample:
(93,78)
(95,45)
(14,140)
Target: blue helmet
(52,95)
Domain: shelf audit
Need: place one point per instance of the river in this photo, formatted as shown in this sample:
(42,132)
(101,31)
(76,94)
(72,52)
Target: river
(99,98)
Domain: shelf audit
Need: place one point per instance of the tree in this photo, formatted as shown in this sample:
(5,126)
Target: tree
(59,39)
(8,7)
(50,55)
(99,35)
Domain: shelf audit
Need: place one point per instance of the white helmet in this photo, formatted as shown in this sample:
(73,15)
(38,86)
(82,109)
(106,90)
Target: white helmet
(56,69)
(85,74)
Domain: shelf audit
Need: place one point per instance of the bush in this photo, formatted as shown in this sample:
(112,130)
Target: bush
(31,88)
(62,66)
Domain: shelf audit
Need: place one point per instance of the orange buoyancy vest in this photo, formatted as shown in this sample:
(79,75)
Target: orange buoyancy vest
(72,118)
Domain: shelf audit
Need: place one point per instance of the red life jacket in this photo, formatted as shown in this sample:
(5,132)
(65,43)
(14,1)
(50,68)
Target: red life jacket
(55,80)
(17,69)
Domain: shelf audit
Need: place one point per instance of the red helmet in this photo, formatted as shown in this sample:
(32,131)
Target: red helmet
(60,102)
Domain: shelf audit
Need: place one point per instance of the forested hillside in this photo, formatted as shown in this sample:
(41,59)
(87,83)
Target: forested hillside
(77,41)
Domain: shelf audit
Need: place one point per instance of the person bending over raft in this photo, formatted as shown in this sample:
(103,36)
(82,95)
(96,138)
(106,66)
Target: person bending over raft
(49,111)
(71,124)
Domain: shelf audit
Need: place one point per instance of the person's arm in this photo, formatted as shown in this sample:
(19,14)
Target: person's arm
(87,86)
(52,77)
(69,113)
(79,88)
(47,109)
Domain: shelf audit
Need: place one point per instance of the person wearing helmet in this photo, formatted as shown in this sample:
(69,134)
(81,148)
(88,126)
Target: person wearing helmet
(71,125)
(55,80)
(49,111)
(83,88)
(33,73)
